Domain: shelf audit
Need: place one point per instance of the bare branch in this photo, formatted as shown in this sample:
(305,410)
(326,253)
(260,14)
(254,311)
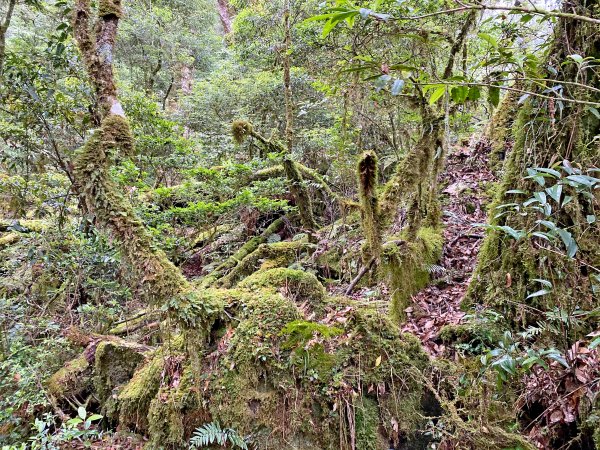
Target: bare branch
(535,11)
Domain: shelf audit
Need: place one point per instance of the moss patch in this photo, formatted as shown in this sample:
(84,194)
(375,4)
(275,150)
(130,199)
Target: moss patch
(296,284)
(135,397)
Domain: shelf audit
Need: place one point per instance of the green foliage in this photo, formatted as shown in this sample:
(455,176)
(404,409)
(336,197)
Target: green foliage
(514,357)
(212,433)
(46,436)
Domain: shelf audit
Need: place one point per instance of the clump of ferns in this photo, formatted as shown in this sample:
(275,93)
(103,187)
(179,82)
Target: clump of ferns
(211,433)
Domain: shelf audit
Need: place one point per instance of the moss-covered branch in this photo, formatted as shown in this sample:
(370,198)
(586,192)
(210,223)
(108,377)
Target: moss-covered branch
(266,256)
(244,251)
(301,195)
(241,130)
(411,184)
(160,280)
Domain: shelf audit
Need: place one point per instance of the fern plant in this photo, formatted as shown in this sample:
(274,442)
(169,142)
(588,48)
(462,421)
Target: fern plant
(212,433)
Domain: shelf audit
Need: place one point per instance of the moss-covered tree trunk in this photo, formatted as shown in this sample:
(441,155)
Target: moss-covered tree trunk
(4,29)
(546,133)
(369,202)
(159,278)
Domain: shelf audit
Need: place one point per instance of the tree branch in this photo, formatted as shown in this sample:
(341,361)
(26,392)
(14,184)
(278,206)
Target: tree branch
(536,11)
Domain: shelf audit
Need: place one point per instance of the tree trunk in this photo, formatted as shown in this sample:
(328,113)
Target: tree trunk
(3,30)
(161,281)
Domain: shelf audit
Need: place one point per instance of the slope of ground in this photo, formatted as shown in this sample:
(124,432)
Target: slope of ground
(466,179)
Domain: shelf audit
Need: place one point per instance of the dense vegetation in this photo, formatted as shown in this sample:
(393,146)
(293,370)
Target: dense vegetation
(299,224)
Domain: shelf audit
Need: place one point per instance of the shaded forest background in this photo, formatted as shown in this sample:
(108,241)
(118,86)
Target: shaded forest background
(299,224)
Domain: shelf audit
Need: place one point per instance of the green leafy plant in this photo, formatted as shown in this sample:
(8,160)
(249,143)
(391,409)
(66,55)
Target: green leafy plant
(47,437)
(512,358)
(212,433)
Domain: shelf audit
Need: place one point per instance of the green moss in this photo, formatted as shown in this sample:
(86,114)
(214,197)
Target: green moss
(405,265)
(268,173)
(24,225)
(9,239)
(240,130)
(126,327)
(135,397)
(366,413)
(72,380)
(307,341)
(110,7)
(267,256)
(499,128)
(116,133)
(277,375)
(245,391)
(297,284)
(161,282)
(166,421)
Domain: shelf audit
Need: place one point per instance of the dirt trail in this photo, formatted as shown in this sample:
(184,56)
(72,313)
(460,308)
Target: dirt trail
(464,203)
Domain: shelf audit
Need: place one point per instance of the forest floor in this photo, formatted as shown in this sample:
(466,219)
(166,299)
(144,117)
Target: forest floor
(466,178)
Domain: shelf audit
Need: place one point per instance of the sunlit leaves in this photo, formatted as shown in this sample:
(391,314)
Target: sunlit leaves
(437,94)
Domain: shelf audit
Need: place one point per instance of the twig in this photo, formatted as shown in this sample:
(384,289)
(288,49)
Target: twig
(361,273)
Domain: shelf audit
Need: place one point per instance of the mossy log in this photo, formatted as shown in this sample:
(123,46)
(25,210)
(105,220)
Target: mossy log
(23,225)
(106,364)
(9,239)
(73,380)
(245,250)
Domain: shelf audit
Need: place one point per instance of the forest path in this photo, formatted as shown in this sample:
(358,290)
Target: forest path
(465,180)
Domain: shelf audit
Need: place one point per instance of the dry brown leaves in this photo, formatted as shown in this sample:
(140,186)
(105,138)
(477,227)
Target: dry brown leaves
(559,395)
